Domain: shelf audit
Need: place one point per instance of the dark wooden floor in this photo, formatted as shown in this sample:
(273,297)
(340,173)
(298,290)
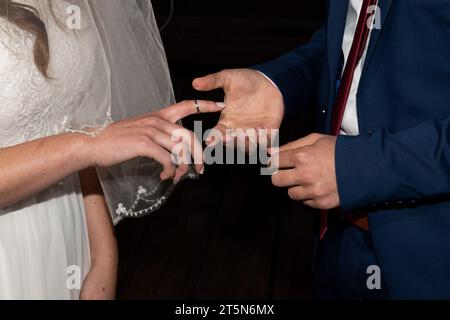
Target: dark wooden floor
(231,234)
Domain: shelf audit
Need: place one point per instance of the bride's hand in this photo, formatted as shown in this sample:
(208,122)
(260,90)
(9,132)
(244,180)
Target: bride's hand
(152,136)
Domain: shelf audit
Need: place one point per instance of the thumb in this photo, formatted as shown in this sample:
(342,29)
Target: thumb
(303,142)
(211,82)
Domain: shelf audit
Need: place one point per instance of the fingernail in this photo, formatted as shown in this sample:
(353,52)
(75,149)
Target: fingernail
(211,141)
(220,105)
(212,144)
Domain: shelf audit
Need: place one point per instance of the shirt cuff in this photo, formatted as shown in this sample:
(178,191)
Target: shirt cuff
(270,80)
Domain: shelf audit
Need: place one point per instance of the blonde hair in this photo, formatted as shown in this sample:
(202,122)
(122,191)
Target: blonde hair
(27,18)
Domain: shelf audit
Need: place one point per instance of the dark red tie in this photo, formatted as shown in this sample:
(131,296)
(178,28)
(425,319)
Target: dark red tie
(356,52)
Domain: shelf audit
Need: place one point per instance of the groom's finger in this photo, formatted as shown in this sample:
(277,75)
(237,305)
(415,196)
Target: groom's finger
(303,142)
(285,159)
(194,149)
(183,109)
(181,135)
(285,178)
(210,82)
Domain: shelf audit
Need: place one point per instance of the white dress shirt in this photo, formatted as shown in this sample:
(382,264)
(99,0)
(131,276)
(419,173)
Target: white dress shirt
(350,125)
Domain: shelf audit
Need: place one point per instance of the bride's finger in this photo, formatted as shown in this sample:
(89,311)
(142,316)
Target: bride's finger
(181,157)
(162,138)
(159,154)
(183,109)
(180,172)
(187,138)
(195,148)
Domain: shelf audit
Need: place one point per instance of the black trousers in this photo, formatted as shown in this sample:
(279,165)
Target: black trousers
(341,264)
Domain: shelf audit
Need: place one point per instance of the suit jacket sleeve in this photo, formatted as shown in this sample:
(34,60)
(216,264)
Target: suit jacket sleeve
(297,73)
(385,168)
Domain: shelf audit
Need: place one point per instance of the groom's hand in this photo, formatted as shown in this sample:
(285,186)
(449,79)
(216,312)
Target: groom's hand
(307,168)
(252,101)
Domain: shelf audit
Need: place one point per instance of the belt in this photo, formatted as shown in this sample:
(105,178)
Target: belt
(360,220)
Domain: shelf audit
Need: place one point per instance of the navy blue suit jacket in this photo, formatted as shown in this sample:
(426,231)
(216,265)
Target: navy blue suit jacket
(398,168)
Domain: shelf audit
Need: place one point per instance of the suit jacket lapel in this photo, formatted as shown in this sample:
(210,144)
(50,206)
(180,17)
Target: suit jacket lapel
(385,6)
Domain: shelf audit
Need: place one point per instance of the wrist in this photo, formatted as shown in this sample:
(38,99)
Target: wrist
(84,150)
(270,85)
(269,80)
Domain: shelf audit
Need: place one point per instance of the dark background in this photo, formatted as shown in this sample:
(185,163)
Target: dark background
(230,235)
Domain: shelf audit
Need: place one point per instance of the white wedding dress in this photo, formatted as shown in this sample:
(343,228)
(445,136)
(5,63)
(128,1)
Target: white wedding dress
(112,67)
(44,236)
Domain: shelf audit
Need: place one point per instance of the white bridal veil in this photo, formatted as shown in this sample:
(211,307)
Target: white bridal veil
(133,80)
